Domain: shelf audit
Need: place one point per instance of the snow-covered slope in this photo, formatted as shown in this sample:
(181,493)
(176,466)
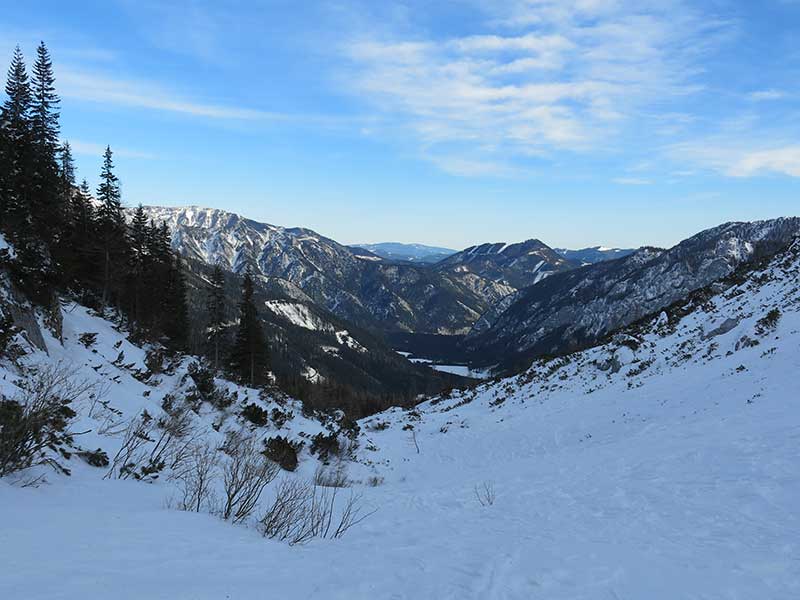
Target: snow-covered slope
(93,349)
(660,465)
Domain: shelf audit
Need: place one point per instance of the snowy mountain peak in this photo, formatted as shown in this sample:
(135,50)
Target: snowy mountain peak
(353,284)
(515,265)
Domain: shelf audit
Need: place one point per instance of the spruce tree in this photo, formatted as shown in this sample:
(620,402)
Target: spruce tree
(84,236)
(215,307)
(249,358)
(176,312)
(44,102)
(65,250)
(66,174)
(155,277)
(139,263)
(47,204)
(15,148)
(111,229)
(19,184)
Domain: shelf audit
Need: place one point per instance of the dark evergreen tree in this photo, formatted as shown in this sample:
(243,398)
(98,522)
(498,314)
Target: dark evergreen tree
(47,203)
(66,174)
(19,184)
(15,149)
(83,241)
(155,277)
(111,230)
(44,103)
(139,264)
(249,359)
(175,310)
(64,249)
(215,308)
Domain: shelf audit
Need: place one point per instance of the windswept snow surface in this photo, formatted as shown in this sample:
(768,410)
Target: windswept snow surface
(662,465)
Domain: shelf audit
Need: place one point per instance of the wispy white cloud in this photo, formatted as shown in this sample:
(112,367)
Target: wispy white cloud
(94,149)
(771,94)
(632,181)
(106,89)
(567,78)
(784,161)
(739,159)
(470,167)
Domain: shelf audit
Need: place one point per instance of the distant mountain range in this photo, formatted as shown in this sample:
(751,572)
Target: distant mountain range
(595,254)
(353,284)
(576,308)
(418,253)
(512,302)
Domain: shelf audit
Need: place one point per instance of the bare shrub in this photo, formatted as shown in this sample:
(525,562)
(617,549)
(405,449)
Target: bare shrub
(34,426)
(137,435)
(151,445)
(302,512)
(197,479)
(285,519)
(485,493)
(244,477)
(375,481)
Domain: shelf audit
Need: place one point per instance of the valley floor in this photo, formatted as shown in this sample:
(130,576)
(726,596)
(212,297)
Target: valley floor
(682,491)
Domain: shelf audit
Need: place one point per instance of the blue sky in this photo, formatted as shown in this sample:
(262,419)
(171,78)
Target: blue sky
(455,122)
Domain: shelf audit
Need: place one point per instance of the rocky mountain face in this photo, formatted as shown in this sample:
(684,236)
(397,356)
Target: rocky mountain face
(355,285)
(310,346)
(514,266)
(594,254)
(418,253)
(575,308)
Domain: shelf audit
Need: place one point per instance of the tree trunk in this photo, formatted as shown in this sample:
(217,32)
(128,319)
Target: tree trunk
(106,277)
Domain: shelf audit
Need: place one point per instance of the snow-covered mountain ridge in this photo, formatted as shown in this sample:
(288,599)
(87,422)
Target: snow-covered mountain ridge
(371,293)
(594,254)
(516,266)
(407,252)
(570,309)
